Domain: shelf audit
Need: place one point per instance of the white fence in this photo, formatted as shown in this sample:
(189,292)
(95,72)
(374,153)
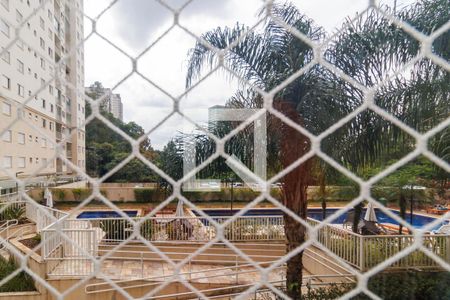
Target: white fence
(245,228)
(366,251)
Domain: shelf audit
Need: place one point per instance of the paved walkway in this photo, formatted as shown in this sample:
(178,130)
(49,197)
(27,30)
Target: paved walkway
(129,269)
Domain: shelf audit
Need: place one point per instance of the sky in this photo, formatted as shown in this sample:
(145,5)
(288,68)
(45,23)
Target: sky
(135,25)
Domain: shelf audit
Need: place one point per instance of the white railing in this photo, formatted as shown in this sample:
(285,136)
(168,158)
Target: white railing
(190,275)
(4,228)
(46,216)
(245,228)
(366,251)
(377,249)
(11,197)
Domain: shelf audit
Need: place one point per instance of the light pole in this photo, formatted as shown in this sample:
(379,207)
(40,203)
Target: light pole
(231,192)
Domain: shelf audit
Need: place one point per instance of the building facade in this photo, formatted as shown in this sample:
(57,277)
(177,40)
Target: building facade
(116,107)
(41,75)
(111,102)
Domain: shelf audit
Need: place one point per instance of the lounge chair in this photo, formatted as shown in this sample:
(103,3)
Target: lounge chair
(371,228)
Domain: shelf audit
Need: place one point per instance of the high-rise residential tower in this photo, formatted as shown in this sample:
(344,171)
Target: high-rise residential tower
(42,80)
(111,102)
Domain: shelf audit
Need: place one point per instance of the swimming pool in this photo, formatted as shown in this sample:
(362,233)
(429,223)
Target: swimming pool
(418,221)
(92,214)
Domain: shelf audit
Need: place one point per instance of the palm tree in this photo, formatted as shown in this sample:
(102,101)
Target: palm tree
(318,98)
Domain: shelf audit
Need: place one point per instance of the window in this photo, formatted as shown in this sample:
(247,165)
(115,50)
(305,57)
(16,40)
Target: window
(20,90)
(21,138)
(42,63)
(37,160)
(19,17)
(31,160)
(50,52)
(6,109)
(4,27)
(6,56)
(5,4)
(30,138)
(6,82)
(42,82)
(51,108)
(50,89)
(7,162)
(42,23)
(20,66)
(44,123)
(7,136)
(42,43)
(43,143)
(21,162)
(50,124)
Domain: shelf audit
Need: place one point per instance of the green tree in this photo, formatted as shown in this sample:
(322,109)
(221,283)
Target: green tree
(368,51)
(106,148)
(171,162)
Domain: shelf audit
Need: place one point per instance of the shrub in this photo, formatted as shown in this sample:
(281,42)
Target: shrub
(59,194)
(80,193)
(116,229)
(147,195)
(415,285)
(147,228)
(22,282)
(12,213)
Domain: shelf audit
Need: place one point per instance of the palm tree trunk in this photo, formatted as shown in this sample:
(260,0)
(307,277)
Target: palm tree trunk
(357,217)
(322,191)
(402,204)
(293,146)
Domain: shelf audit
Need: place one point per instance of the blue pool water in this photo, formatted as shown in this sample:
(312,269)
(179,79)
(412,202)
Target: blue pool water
(418,221)
(105,214)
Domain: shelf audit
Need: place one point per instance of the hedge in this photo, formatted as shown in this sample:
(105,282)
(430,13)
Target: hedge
(148,195)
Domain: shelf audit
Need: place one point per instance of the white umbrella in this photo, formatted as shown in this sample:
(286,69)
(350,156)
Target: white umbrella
(180,211)
(48,197)
(370,213)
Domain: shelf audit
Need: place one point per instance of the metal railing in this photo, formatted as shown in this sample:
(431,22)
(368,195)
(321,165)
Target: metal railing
(244,228)
(47,216)
(366,251)
(189,275)
(5,228)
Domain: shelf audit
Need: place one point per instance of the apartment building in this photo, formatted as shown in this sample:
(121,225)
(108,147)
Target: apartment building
(36,92)
(111,102)
(116,106)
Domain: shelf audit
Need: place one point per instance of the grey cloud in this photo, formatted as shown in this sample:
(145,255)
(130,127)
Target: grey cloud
(137,20)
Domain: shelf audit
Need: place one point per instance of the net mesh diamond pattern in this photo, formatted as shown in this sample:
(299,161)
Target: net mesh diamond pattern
(58,231)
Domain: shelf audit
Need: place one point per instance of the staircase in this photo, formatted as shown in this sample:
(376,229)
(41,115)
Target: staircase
(217,254)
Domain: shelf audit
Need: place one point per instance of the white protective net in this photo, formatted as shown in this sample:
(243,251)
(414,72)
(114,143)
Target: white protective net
(321,54)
